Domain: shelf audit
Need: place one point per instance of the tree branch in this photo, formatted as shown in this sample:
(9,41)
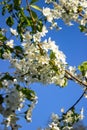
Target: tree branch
(29,10)
(74,78)
(30,13)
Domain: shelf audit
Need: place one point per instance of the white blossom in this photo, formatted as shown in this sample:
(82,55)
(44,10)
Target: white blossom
(14,31)
(72,70)
(48,1)
(15,81)
(86,74)
(27,37)
(10,43)
(14,99)
(62,110)
(44,31)
(46,11)
(5,82)
(29,112)
(7,55)
(37,37)
(67,128)
(54,117)
(82,114)
(85,95)
(54,126)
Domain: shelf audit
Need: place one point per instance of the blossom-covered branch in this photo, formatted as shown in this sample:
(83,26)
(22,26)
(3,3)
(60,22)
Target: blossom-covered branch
(37,58)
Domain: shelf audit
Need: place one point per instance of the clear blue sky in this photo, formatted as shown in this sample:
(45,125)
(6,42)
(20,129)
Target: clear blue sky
(52,98)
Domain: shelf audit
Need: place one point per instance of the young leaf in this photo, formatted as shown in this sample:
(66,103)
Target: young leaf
(83,67)
(2,38)
(10,21)
(34,15)
(36,7)
(7,76)
(18,48)
(3,10)
(52,55)
(1,99)
(17,4)
(1,53)
(10,8)
(30,94)
(82,28)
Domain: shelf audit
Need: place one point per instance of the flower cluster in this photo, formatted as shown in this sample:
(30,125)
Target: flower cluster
(12,101)
(29,111)
(43,61)
(65,122)
(68,11)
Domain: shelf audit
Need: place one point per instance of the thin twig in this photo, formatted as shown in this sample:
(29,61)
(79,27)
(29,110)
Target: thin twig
(24,74)
(75,78)
(82,16)
(77,101)
(30,13)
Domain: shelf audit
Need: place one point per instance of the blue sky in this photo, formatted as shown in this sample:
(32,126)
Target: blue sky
(52,98)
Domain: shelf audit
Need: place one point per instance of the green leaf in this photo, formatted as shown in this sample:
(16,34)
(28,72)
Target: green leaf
(65,82)
(1,99)
(30,94)
(83,67)
(28,21)
(39,25)
(10,8)
(18,48)
(34,15)
(24,21)
(10,21)
(33,1)
(2,38)
(3,10)
(1,53)
(52,55)
(17,4)
(36,7)
(54,67)
(19,51)
(7,76)
(79,9)
(82,28)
